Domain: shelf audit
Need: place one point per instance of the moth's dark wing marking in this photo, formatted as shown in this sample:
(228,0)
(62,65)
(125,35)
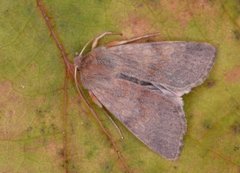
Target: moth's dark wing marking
(137,81)
(157,120)
(178,66)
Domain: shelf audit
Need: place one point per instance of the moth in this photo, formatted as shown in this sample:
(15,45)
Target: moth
(142,85)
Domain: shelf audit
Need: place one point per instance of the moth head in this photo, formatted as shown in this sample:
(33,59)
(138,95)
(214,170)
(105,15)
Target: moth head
(77,61)
(81,65)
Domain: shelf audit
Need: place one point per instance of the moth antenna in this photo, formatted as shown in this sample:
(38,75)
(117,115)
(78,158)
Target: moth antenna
(116,126)
(117,43)
(84,47)
(75,79)
(95,40)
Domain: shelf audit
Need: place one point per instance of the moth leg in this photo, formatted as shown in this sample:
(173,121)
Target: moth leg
(112,121)
(117,43)
(95,100)
(95,41)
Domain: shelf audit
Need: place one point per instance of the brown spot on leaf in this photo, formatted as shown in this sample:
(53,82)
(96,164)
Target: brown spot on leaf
(52,148)
(233,75)
(184,17)
(210,83)
(5,87)
(236,148)
(180,13)
(236,127)
(49,147)
(185,11)
(207,124)
(202,5)
(137,25)
(237,34)
(11,112)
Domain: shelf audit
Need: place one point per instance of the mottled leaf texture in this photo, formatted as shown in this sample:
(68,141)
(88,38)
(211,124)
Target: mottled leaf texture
(142,84)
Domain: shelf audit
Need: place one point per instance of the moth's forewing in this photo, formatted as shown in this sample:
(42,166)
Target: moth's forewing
(178,66)
(141,85)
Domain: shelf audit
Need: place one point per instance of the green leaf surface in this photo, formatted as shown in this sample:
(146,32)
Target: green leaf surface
(46,128)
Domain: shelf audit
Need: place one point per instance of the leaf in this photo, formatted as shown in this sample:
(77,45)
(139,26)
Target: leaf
(45,127)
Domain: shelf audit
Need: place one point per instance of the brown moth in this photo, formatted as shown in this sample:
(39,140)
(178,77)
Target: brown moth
(142,84)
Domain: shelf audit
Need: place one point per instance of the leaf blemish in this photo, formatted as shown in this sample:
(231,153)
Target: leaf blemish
(236,34)
(236,127)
